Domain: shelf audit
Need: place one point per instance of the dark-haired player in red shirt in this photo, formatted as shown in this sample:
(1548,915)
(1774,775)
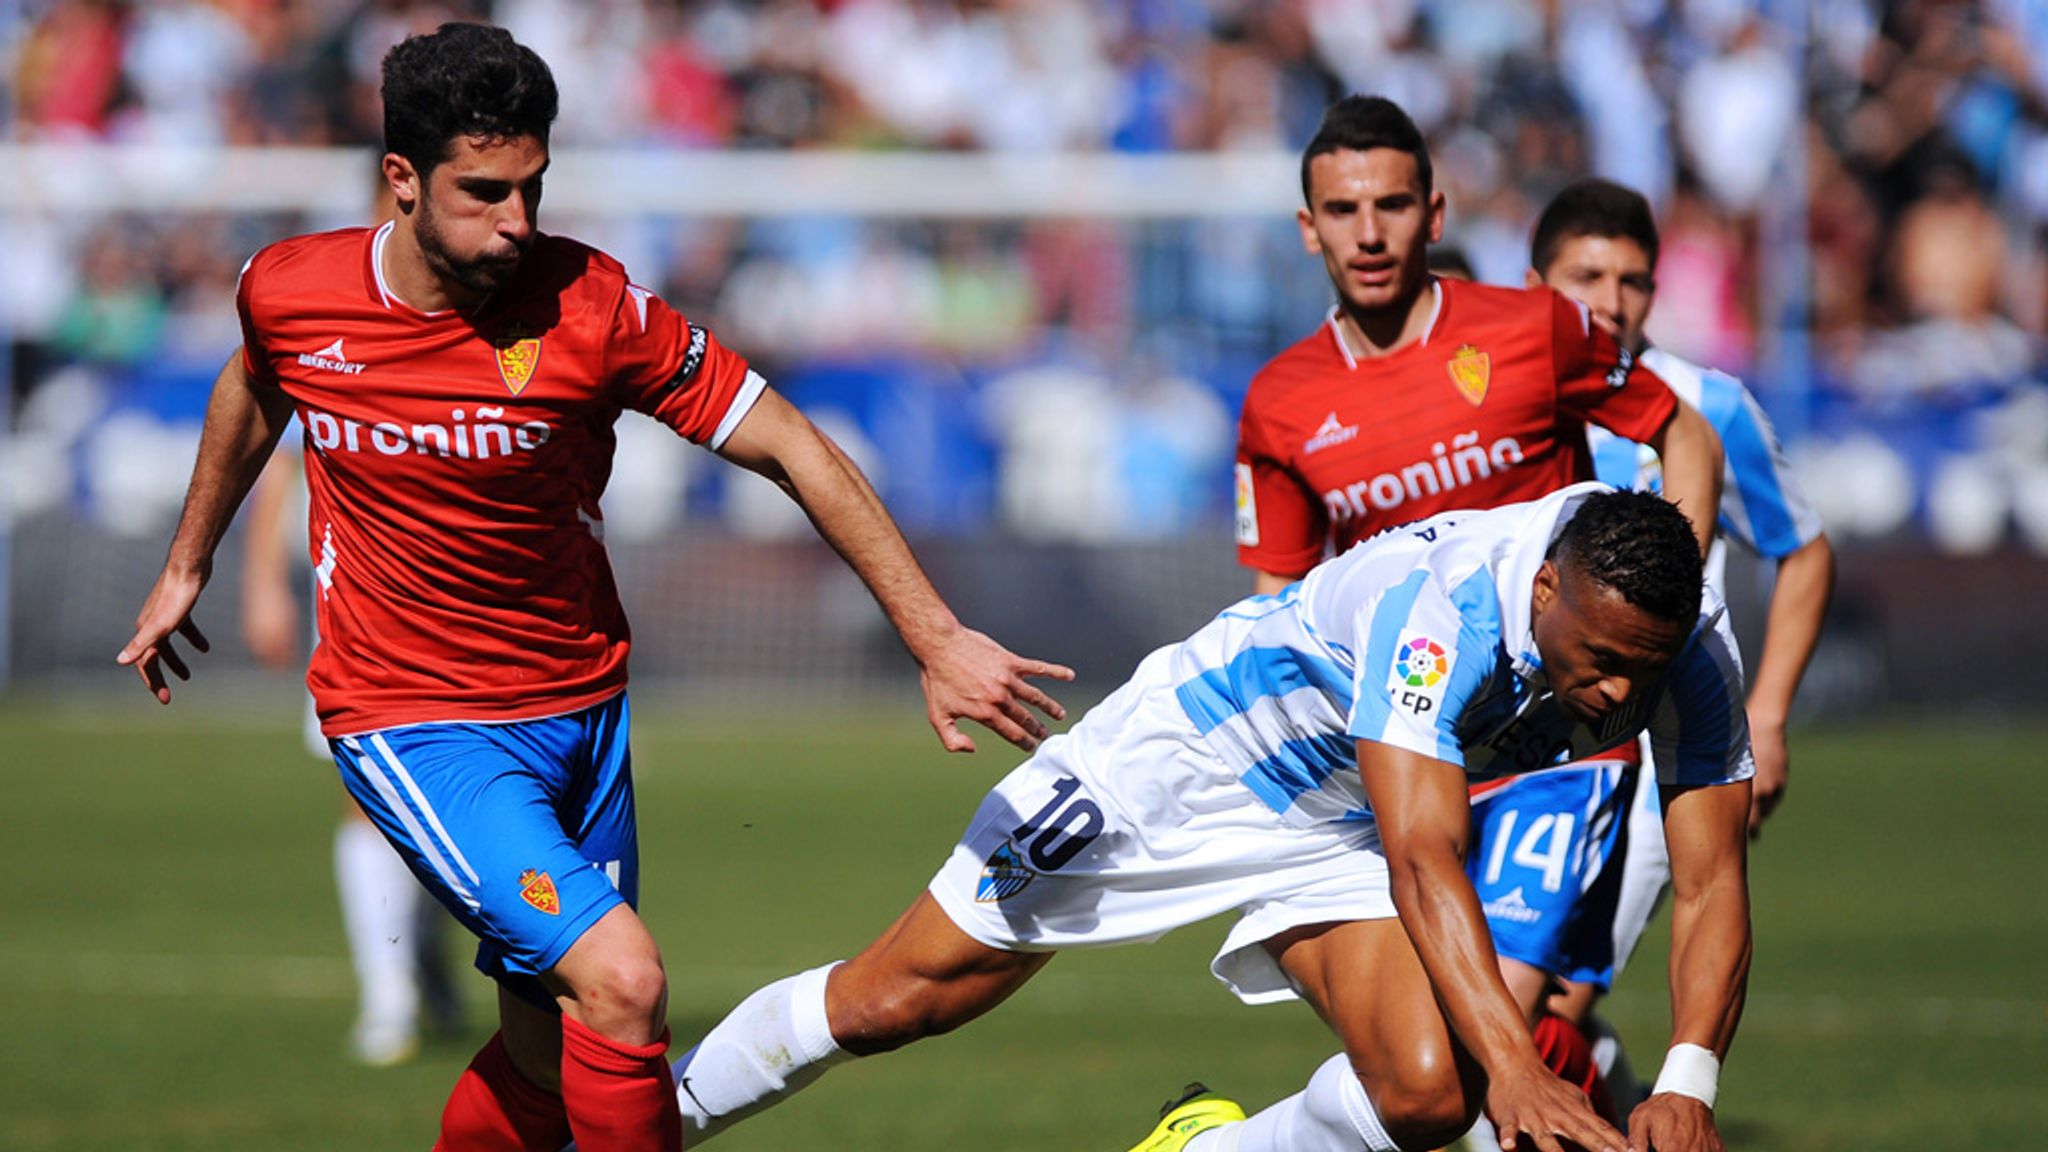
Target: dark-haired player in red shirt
(1420,394)
(458,373)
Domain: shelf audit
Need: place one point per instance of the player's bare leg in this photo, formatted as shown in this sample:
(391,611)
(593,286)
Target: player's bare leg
(601,1064)
(1401,1081)
(614,1039)
(921,977)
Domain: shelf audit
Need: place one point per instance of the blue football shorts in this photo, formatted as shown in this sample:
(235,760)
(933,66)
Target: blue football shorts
(524,830)
(1537,860)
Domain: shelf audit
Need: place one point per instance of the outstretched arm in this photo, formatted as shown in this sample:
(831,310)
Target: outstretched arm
(1710,950)
(1424,817)
(965,674)
(1690,452)
(1799,602)
(244,418)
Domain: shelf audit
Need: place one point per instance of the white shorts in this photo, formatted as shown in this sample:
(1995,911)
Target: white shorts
(1128,827)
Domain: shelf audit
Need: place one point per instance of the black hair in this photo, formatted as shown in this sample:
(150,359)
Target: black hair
(1593,207)
(1450,260)
(1360,124)
(1638,544)
(463,80)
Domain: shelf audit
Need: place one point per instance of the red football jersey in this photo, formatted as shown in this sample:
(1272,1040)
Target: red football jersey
(1486,409)
(454,464)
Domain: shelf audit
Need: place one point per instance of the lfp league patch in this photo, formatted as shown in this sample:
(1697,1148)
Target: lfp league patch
(1247,508)
(1422,667)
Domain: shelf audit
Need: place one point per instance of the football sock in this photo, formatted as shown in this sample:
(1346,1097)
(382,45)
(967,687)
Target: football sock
(776,1042)
(495,1109)
(618,1096)
(1333,1114)
(1566,1051)
(379,905)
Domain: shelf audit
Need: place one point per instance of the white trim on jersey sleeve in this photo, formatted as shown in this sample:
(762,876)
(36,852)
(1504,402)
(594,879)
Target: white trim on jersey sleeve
(742,403)
(1699,734)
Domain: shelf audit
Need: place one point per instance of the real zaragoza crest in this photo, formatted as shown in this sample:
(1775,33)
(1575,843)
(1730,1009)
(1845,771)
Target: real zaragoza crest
(1470,369)
(518,356)
(538,888)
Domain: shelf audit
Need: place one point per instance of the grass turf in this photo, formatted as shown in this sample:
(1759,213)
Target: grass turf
(172,973)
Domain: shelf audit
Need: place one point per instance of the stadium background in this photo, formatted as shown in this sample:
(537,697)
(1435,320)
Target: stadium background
(1021,257)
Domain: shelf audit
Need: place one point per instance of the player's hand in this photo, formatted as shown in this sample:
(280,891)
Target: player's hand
(1669,1122)
(971,677)
(1534,1111)
(168,610)
(1773,762)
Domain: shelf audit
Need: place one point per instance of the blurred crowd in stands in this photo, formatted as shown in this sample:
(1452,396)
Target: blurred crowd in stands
(1854,197)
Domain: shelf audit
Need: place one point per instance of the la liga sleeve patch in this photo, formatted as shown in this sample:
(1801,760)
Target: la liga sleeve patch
(1247,508)
(1420,672)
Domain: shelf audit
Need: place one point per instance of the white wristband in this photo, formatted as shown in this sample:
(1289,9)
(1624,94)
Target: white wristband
(1690,1070)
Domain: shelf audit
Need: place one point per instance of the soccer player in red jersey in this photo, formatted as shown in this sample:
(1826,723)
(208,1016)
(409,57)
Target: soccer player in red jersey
(458,373)
(1421,394)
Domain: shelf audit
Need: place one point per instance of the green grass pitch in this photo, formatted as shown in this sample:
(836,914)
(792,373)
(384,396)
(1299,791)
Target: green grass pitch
(172,974)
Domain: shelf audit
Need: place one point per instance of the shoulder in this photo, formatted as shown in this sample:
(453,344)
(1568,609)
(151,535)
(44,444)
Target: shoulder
(1291,384)
(1720,396)
(1468,303)
(1308,357)
(572,263)
(312,259)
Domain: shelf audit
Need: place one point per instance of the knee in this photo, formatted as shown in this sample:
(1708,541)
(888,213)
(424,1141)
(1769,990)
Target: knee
(625,997)
(1427,1102)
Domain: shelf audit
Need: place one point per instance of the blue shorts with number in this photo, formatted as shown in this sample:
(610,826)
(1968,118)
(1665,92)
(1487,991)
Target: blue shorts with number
(1538,846)
(525,830)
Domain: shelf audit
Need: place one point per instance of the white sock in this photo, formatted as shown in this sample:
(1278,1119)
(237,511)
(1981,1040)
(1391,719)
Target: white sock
(379,899)
(776,1042)
(1332,1114)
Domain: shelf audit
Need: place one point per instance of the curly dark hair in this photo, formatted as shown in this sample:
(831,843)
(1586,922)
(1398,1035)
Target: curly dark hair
(1361,124)
(1638,544)
(463,80)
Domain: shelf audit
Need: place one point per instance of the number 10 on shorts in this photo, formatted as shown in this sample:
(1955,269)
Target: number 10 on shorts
(1059,831)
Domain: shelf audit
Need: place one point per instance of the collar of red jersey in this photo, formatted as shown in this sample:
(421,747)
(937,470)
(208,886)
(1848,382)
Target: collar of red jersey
(1436,311)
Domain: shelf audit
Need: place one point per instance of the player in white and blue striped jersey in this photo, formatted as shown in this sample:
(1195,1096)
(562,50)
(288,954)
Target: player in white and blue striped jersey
(1570,867)
(1303,760)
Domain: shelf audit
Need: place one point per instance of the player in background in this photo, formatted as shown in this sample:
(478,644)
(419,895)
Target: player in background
(1304,759)
(458,373)
(394,933)
(1597,242)
(1422,393)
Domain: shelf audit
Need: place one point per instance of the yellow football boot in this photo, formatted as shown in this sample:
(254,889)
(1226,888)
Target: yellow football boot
(1195,1112)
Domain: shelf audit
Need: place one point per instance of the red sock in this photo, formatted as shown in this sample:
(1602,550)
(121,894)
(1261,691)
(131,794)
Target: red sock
(620,1097)
(495,1109)
(1567,1052)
